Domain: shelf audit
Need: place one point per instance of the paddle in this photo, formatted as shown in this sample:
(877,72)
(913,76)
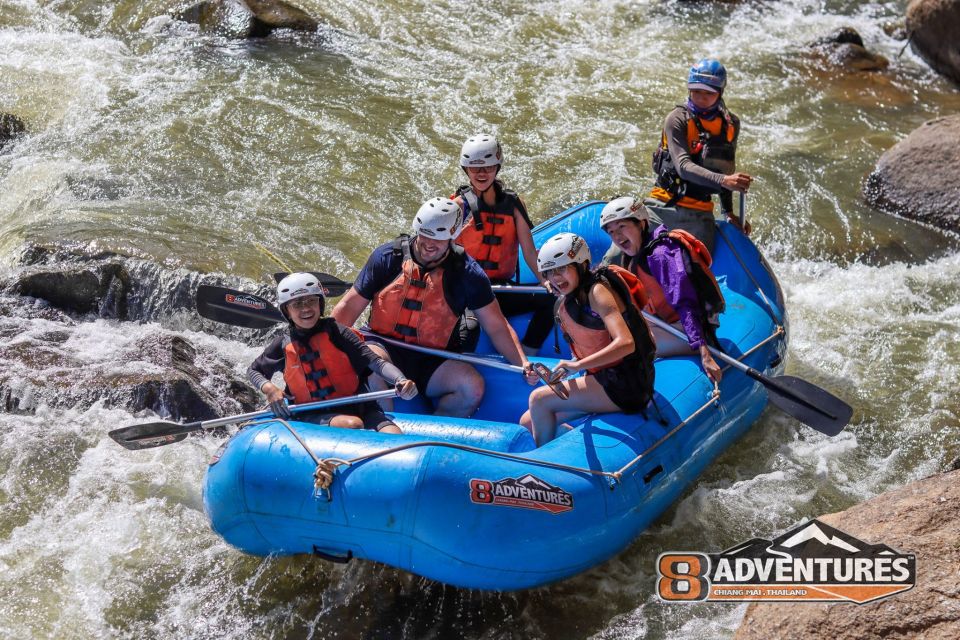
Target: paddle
(542,371)
(808,403)
(247,310)
(334,286)
(158,434)
(236,307)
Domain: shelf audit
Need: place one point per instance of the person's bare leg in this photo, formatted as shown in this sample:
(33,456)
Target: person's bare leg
(346,422)
(546,408)
(456,389)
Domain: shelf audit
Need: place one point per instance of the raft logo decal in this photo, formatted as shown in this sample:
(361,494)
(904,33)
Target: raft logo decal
(810,563)
(525,492)
(246,301)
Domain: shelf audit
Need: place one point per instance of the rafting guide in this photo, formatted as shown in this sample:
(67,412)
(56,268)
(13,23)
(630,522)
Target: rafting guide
(813,562)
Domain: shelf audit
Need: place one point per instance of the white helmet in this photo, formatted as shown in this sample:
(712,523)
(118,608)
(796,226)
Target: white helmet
(298,285)
(438,219)
(622,209)
(562,249)
(481,150)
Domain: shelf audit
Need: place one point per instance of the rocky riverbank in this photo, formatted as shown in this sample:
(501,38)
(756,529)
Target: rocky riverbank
(922,518)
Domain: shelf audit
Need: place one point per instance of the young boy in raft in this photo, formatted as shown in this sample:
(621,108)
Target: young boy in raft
(321,360)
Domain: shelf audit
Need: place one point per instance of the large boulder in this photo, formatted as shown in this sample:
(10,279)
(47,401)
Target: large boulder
(934,28)
(246,18)
(919,177)
(922,518)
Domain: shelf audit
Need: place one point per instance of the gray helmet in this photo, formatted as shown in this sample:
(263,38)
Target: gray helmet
(621,209)
(298,285)
(481,150)
(562,249)
(438,219)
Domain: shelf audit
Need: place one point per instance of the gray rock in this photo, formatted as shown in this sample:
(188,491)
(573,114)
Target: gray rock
(162,372)
(844,48)
(919,177)
(921,518)
(81,290)
(116,286)
(11,127)
(246,18)
(934,28)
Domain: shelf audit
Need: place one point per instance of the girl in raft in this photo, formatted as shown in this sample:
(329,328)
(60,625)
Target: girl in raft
(321,360)
(599,315)
(674,267)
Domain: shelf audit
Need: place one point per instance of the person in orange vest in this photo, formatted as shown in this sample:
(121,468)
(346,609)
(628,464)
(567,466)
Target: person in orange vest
(696,158)
(611,341)
(418,289)
(496,229)
(321,360)
(674,267)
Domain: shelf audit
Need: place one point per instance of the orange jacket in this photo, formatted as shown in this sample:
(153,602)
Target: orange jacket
(323,372)
(490,234)
(413,307)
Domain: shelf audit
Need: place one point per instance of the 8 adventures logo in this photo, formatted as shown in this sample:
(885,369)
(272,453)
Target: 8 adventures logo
(813,562)
(246,301)
(526,492)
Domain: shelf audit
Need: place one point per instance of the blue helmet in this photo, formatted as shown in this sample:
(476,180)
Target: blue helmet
(707,74)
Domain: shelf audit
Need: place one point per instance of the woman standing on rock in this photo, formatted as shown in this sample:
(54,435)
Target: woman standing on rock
(322,360)
(696,158)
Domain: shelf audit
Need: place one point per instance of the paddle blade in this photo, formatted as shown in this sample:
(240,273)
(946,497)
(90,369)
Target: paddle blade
(808,403)
(236,307)
(150,435)
(332,285)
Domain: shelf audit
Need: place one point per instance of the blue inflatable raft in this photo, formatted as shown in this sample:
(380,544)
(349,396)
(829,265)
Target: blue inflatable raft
(472,502)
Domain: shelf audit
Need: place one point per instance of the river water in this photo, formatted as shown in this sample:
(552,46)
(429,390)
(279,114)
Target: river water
(150,139)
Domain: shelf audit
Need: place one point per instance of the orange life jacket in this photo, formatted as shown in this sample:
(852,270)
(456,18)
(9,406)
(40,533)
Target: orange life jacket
(414,307)
(490,234)
(709,296)
(584,330)
(320,372)
(707,140)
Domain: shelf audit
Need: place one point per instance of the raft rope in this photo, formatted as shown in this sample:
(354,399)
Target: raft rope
(325,468)
(773,314)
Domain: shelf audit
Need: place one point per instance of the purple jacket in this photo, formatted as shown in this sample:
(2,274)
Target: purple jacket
(668,265)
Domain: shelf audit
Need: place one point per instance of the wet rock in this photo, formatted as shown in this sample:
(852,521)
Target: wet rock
(127,288)
(246,18)
(934,26)
(844,48)
(921,518)
(919,177)
(896,29)
(282,15)
(11,127)
(102,289)
(160,372)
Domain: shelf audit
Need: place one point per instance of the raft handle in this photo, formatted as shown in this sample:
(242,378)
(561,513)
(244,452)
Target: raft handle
(331,557)
(649,475)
